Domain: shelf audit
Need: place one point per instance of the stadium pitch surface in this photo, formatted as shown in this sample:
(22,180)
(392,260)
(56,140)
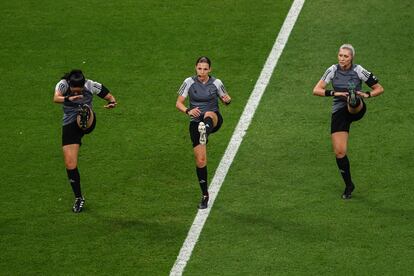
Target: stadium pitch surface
(278,211)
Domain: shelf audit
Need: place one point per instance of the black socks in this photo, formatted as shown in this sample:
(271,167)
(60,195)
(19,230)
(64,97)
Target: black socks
(74,179)
(202,179)
(208,121)
(344,168)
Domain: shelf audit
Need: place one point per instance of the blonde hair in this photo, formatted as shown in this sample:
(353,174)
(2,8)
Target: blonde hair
(348,47)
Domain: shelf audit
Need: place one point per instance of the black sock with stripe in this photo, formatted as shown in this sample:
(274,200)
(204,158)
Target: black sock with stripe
(208,121)
(345,170)
(74,179)
(202,179)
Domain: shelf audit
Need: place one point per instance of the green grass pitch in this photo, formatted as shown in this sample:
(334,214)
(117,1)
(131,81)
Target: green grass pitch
(279,210)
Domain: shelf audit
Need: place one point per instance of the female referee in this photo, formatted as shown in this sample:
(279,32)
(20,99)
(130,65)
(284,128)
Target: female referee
(348,104)
(203,91)
(76,93)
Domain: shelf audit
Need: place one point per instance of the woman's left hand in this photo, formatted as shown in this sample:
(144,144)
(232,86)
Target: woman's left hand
(226,99)
(110,105)
(362,94)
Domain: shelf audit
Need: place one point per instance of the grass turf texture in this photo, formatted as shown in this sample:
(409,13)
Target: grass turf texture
(279,211)
(137,168)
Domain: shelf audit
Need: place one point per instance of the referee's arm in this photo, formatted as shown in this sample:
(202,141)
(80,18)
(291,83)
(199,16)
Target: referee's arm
(321,91)
(377,90)
(180,104)
(111,101)
(59,98)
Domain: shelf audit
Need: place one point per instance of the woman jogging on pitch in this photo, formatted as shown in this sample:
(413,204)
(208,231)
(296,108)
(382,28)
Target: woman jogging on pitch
(348,104)
(76,93)
(203,92)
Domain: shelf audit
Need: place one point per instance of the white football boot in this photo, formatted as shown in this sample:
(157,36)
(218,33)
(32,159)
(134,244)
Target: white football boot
(203,133)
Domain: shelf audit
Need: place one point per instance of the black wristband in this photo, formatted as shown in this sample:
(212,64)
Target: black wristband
(369,94)
(111,102)
(66,99)
(187,110)
(329,93)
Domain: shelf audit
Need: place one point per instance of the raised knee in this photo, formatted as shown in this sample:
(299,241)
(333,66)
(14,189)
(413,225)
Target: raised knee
(209,114)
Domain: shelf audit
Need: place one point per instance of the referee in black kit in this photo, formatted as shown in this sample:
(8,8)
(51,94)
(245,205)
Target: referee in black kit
(76,94)
(348,104)
(203,92)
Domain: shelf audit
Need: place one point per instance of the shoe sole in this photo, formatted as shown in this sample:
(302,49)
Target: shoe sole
(84,117)
(352,98)
(202,131)
(75,210)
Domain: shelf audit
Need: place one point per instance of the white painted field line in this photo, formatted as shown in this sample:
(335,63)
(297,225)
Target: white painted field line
(236,139)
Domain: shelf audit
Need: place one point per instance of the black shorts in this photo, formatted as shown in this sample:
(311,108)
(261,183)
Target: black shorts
(341,120)
(72,134)
(195,135)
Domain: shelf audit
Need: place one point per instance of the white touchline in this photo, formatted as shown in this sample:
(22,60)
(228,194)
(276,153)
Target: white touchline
(236,139)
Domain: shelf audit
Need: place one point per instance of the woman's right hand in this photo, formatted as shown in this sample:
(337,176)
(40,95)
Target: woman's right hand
(195,112)
(74,98)
(341,94)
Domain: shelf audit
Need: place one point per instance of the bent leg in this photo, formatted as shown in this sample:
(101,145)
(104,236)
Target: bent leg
(355,110)
(87,114)
(213,116)
(210,121)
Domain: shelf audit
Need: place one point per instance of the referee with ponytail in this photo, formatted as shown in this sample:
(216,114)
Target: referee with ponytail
(348,104)
(75,93)
(203,92)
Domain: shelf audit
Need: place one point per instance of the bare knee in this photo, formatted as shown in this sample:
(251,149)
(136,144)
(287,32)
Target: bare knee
(70,163)
(340,143)
(340,150)
(201,161)
(209,114)
(212,115)
(70,156)
(340,153)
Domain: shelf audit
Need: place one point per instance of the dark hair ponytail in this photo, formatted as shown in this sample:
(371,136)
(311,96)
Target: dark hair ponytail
(203,59)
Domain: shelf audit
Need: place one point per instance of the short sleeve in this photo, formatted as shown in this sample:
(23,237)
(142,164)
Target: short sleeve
(366,76)
(96,88)
(62,86)
(329,74)
(183,91)
(220,87)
